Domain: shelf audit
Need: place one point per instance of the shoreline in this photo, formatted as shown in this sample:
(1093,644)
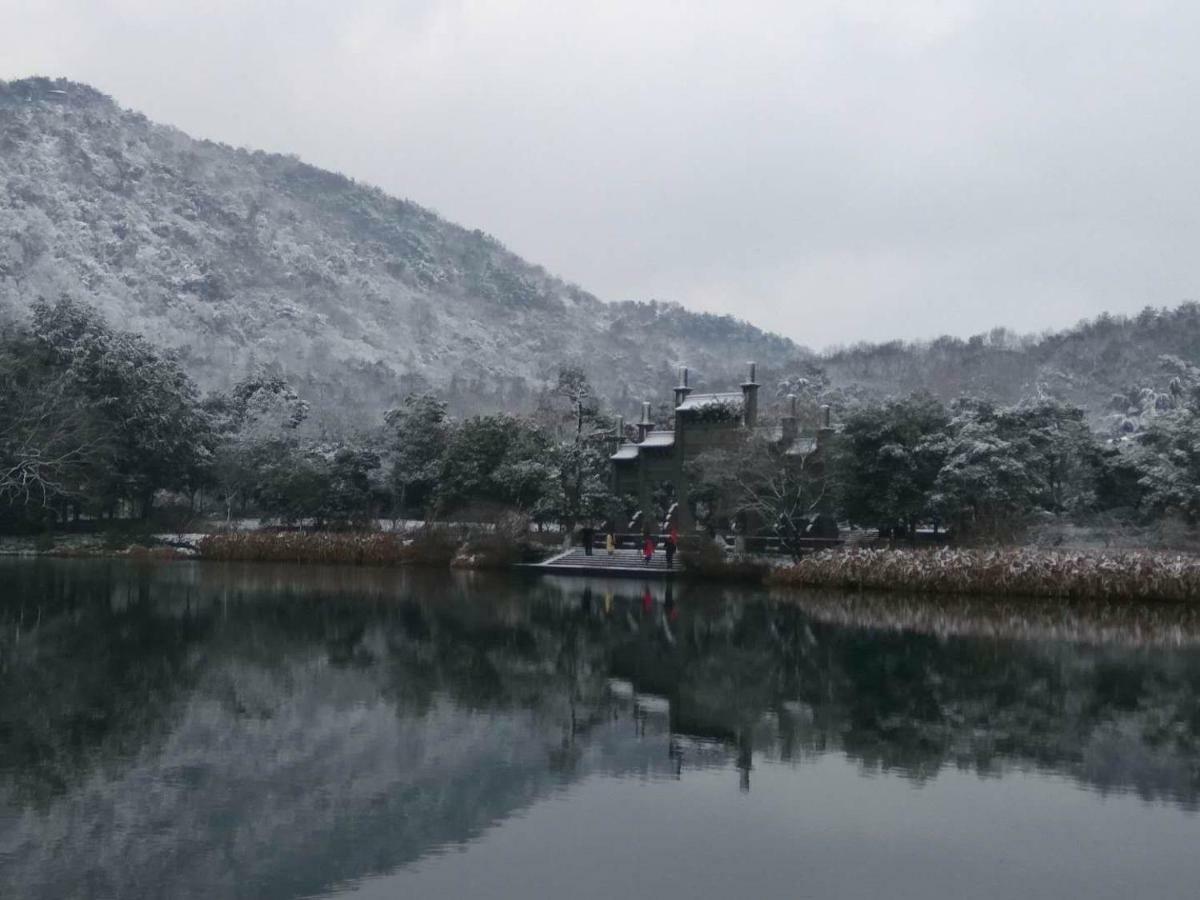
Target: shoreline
(1059,575)
(1002,572)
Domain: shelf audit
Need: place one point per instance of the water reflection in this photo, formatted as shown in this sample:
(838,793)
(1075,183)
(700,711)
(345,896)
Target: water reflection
(204,730)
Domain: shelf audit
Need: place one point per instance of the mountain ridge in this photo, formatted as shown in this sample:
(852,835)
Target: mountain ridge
(237,258)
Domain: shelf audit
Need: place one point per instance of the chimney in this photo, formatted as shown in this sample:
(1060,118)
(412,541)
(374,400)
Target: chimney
(790,421)
(620,430)
(826,429)
(750,400)
(645,426)
(682,390)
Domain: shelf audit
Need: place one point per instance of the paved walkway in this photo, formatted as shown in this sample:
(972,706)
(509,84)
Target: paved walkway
(622,562)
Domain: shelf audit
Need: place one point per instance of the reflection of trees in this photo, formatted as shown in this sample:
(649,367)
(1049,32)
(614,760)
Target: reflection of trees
(86,663)
(1114,717)
(309,738)
(313,725)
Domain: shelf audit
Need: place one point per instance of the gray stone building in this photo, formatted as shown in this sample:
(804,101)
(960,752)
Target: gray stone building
(701,422)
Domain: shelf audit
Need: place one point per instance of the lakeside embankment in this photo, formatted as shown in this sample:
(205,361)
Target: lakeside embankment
(426,546)
(1025,572)
(1127,575)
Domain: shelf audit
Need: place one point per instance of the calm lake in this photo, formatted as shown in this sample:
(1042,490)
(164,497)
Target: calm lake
(202,730)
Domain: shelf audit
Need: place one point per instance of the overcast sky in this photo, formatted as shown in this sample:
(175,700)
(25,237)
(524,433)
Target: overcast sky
(831,171)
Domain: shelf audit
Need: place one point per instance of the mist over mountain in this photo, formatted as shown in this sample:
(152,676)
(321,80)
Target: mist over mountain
(236,258)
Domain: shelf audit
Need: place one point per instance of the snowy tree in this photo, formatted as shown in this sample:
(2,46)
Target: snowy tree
(417,435)
(260,410)
(158,436)
(54,445)
(892,453)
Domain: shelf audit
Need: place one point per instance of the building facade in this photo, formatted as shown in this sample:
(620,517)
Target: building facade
(701,422)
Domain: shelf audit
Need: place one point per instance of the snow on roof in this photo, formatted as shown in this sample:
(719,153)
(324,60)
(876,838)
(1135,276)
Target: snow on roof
(802,447)
(700,401)
(659,439)
(626,451)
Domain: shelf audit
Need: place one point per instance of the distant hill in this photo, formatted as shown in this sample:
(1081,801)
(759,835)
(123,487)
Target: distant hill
(239,258)
(1098,364)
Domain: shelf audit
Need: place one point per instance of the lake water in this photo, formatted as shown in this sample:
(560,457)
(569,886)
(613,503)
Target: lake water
(202,730)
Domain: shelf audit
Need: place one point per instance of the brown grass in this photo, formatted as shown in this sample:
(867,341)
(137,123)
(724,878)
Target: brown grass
(429,546)
(1020,572)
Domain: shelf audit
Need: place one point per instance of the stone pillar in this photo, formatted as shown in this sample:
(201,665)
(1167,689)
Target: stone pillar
(825,430)
(750,399)
(618,439)
(681,391)
(647,424)
(791,421)
(645,501)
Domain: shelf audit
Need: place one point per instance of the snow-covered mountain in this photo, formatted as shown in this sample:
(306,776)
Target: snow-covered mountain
(236,258)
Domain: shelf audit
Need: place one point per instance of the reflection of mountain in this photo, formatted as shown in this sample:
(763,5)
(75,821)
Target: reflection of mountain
(306,747)
(201,730)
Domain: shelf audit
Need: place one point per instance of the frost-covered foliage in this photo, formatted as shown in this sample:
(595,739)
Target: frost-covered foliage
(892,456)
(93,417)
(416,434)
(1000,463)
(984,470)
(235,259)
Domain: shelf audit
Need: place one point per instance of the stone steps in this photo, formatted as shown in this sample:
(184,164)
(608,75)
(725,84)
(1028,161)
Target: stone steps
(623,560)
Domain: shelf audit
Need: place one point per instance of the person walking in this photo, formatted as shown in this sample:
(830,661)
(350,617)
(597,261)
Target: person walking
(669,546)
(588,534)
(610,542)
(647,549)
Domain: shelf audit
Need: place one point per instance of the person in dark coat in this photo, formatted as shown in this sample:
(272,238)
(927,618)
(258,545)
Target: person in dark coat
(669,546)
(587,534)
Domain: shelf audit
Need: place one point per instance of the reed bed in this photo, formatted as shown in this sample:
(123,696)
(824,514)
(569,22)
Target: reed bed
(1138,575)
(426,547)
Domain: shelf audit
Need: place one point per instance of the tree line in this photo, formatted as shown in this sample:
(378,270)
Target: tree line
(973,467)
(97,423)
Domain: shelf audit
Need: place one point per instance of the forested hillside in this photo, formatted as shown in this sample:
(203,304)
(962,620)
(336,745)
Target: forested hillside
(235,259)
(1112,366)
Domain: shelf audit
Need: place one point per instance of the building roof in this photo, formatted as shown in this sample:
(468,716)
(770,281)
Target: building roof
(700,401)
(626,451)
(658,439)
(802,447)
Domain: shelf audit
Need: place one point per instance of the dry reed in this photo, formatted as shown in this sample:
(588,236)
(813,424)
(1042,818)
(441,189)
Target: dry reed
(427,547)
(1139,575)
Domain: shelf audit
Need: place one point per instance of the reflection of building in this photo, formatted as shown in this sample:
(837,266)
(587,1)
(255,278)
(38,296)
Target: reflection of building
(701,422)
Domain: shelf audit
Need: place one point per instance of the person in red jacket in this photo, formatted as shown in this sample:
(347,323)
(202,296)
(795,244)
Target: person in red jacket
(647,549)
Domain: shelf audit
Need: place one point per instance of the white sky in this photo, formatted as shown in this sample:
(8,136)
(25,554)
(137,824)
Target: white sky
(832,171)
